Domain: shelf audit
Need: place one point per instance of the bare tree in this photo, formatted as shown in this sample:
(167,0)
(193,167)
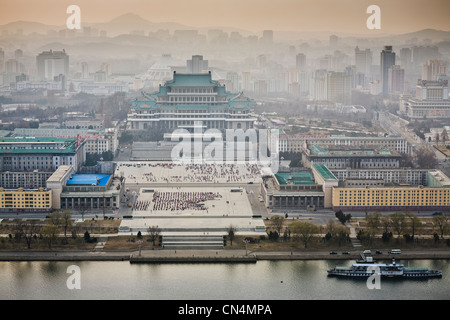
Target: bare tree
(277,222)
(154,232)
(398,223)
(440,223)
(50,234)
(27,230)
(386,223)
(414,223)
(426,159)
(304,230)
(55,218)
(373,221)
(66,221)
(331,226)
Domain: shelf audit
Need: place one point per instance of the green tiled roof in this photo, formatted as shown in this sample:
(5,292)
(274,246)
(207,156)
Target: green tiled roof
(295,178)
(69,145)
(192,80)
(321,151)
(236,101)
(68,149)
(324,172)
(36,139)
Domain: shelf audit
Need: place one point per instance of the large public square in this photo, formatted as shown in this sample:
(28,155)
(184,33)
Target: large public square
(201,199)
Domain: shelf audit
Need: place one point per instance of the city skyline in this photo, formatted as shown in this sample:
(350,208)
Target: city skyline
(323,15)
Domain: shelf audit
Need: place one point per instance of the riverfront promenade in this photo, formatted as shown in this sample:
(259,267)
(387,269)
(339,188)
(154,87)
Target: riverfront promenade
(199,256)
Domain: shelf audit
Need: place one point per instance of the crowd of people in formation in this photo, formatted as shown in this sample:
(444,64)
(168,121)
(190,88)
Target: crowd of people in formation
(224,172)
(206,173)
(174,201)
(141,205)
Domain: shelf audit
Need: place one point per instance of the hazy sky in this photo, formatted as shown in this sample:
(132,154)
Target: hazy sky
(397,16)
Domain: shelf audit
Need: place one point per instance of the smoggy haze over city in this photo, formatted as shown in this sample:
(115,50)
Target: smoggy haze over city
(349,16)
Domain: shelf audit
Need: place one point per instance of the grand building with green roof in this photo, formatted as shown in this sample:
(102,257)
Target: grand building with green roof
(187,99)
(18,154)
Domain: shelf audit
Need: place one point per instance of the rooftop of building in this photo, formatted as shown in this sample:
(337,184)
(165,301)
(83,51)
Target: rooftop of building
(59,173)
(88,180)
(439,177)
(66,145)
(24,190)
(297,178)
(192,80)
(324,172)
(351,151)
(6,140)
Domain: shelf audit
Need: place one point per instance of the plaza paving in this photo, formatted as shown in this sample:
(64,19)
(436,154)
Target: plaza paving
(144,174)
(227,207)
(191,199)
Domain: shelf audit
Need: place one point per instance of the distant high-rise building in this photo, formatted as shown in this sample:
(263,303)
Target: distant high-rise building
(246,81)
(405,58)
(105,67)
(421,54)
(432,69)
(267,37)
(363,60)
(334,40)
(260,88)
(233,79)
(2,60)
(318,89)
(197,64)
(339,87)
(84,70)
(396,79)
(18,54)
(12,66)
(52,63)
(261,61)
(387,60)
(300,62)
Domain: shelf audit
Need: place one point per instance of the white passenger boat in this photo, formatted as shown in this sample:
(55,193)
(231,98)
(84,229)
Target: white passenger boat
(386,270)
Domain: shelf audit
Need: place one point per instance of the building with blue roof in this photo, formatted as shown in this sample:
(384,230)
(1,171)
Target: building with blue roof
(190,98)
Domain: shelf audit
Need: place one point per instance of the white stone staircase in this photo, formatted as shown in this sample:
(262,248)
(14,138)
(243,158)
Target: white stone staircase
(192,242)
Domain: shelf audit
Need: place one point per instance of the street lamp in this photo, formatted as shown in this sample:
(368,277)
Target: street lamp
(139,242)
(246,241)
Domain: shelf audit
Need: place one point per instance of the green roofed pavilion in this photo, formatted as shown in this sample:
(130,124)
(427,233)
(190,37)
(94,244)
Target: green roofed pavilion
(191,100)
(302,178)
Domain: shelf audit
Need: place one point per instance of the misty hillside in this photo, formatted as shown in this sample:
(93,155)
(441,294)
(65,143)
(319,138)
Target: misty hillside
(130,22)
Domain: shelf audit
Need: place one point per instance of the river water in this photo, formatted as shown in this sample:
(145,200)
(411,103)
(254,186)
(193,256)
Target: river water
(264,280)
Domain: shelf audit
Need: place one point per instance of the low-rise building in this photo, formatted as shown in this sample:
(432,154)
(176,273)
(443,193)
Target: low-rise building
(434,195)
(84,192)
(24,179)
(296,142)
(430,102)
(292,190)
(40,153)
(335,157)
(25,200)
(391,198)
(97,140)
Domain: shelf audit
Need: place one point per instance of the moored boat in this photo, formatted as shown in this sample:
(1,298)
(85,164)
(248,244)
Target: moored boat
(385,270)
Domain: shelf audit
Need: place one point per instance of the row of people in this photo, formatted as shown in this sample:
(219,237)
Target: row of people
(174,201)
